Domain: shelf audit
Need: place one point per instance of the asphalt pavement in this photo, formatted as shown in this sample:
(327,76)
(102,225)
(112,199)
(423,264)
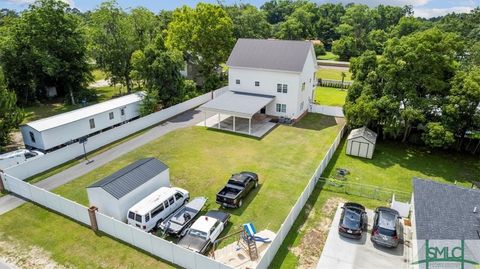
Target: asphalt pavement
(186,119)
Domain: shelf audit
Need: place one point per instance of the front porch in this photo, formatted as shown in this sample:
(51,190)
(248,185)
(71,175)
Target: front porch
(257,126)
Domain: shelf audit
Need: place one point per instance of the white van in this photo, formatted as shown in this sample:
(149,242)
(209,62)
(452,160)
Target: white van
(153,209)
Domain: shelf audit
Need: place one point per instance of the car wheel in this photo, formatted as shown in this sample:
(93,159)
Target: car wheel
(240,203)
(159,223)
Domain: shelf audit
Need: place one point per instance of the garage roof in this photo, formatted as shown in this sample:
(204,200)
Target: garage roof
(445,212)
(240,104)
(364,132)
(130,177)
(285,55)
(86,112)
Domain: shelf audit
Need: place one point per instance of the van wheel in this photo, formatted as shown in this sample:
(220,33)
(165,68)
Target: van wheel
(159,223)
(240,203)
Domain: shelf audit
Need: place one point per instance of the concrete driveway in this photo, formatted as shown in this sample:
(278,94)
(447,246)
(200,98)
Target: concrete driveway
(344,253)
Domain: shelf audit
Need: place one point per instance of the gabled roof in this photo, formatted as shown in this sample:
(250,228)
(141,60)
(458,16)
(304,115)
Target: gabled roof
(444,211)
(85,112)
(130,177)
(364,132)
(284,55)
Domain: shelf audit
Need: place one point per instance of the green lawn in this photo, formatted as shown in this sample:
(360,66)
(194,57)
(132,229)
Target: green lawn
(45,110)
(330,96)
(98,74)
(328,56)
(330,73)
(200,161)
(393,167)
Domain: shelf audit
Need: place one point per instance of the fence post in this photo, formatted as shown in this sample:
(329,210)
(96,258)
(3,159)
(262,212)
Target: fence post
(93,218)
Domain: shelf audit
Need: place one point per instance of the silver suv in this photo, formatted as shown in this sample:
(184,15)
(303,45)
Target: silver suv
(386,227)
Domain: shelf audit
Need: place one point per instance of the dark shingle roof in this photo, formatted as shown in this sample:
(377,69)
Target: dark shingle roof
(130,177)
(285,55)
(445,211)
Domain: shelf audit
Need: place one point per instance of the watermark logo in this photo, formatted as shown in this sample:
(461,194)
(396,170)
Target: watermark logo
(448,254)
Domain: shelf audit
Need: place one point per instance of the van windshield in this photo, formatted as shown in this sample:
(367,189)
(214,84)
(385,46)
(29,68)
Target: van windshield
(197,233)
(138,218)
(131,215)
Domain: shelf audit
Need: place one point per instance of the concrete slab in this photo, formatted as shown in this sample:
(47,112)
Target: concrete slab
(344,253)
(260,126)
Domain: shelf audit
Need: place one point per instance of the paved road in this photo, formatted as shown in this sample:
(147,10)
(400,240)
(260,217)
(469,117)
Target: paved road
(343,253)
(186,119)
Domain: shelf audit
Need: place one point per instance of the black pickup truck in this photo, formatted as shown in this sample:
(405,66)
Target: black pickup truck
(237,188)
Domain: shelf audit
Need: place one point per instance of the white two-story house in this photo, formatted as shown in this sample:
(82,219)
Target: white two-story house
(271,77)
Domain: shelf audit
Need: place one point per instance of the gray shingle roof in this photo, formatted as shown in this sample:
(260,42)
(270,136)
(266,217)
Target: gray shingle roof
(130,177)
(363,132)
(285,55)
(444,211)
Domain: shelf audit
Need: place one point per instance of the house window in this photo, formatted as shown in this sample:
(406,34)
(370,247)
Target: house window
(110,115)
(92,123)
(257,83)
(303,86)
(122,111)
(285,88)
(237,81)
(279,87)
(281,108)
(32,137)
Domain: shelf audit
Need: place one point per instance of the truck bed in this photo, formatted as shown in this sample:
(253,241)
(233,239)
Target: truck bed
(229,192)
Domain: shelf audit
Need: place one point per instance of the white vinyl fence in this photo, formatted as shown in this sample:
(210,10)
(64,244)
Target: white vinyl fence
(334,111)
(297,208)
(55,158)
(150,243)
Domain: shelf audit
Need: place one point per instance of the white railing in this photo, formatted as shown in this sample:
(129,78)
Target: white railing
(334,111)
(70,152)
(297,208)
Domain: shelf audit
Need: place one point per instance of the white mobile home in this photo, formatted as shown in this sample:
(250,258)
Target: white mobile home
(66,128)
(117,193)
(282,71)
(361,142)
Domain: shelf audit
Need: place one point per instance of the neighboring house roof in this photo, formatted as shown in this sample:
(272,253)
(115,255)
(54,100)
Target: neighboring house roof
(445,212)
(85,112)
(130,177)
(284,55)
(364,132)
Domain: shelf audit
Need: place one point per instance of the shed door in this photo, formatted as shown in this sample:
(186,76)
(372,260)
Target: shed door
(354,148)
(363,151)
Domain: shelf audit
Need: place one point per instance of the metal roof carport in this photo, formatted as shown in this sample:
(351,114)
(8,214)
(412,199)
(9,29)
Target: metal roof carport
(237,104)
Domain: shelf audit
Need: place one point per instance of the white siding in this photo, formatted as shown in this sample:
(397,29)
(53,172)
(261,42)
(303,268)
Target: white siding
(360,147)
(118,209)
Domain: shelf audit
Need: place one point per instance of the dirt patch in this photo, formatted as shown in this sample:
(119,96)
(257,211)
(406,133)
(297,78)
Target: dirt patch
(16,254)
(311,245)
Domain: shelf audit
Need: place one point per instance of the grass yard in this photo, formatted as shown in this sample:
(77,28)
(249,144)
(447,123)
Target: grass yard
(329,56)
(98,74)
(331,73)
(200,161)
(329,96)
(393,166)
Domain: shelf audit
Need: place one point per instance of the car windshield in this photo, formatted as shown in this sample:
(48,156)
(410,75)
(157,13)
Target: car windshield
(351,219)
(197,233)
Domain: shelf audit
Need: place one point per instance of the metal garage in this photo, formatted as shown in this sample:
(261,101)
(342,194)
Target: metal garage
(361,142)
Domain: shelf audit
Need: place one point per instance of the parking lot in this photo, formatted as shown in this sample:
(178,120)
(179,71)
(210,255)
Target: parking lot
(344,253)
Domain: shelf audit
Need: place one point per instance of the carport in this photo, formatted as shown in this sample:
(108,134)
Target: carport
(239,112)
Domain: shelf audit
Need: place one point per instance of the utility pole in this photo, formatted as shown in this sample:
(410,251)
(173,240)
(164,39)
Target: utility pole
(83,141)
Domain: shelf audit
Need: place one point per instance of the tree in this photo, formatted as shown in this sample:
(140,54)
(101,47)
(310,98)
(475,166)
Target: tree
(376,40)
(205,34)
(301,24)
(329,16)
(45,47)
(248,21)
(319,49)
(345,48)
(437,136)
(159,69)
(278,10)
(149,103)
(10,115)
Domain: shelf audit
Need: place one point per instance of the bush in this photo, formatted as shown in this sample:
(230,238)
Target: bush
(319,49)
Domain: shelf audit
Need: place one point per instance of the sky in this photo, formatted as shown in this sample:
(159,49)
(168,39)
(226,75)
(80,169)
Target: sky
(422,8)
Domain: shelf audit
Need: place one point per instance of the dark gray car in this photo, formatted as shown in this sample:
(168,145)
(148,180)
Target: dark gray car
(386,227)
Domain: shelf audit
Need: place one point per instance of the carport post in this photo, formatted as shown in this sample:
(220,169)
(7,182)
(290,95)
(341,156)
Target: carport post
(93,218)
(218,125)
(234,123)
(249,126)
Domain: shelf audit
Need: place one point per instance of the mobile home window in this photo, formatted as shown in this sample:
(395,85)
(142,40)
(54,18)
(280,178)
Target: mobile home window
(257,83)
(32,137)
(279,87)
(92,123)
(301,105)
(285,88)
(157,210)
(110,115)
(237,81)
(122,111)
(303,86)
